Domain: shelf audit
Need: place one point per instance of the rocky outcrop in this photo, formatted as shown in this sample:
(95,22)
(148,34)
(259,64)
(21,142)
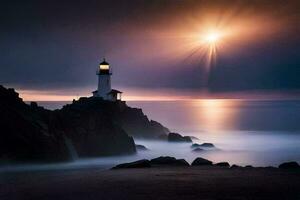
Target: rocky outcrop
(236,167)
(160,161)
(137,164)
(195,145)
(92,128)
(203,145)
(170,161)
(222,164)
(289,165)
(201,162)
(207,145)
(137,124)
(28,132)
(175,137)
(85,128)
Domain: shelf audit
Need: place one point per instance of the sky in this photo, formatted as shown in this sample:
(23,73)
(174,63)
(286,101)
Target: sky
(50,50)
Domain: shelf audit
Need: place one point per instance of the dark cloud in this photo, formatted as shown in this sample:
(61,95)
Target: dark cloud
(58,44)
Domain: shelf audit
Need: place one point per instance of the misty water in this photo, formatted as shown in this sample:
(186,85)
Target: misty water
(245,132)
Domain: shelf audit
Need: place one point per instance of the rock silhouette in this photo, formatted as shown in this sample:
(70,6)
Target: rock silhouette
(167,160)
(289,165)
(136,164)
(89,127)
(175,137)
(201,162)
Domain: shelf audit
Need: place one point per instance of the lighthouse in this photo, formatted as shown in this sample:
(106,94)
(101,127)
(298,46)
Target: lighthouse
(104,91)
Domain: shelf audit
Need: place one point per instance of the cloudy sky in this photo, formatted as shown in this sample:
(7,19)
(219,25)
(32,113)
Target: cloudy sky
(51,46)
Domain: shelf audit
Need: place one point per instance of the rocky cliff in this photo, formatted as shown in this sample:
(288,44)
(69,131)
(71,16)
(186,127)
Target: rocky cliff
(132,120)
(89,127)
(27,132)
(31,133)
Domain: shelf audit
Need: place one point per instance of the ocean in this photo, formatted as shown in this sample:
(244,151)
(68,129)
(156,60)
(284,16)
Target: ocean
(245,132)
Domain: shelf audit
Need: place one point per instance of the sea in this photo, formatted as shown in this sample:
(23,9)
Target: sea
(245,132)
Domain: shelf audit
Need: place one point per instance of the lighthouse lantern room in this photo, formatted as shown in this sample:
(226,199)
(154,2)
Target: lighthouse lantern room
(104,83)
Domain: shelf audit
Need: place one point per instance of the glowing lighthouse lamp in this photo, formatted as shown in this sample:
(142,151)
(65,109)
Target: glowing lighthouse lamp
(104,84)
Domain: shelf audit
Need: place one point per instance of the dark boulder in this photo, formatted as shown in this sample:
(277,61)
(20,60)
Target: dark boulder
(249,167)
(203,145)
(175,137)
(140,147)
(201,162)
(207,145)
(289,165)
(182,162)
(222,164)
(198,150)
(236,167)
(137,164)
(167,160)
(195,145)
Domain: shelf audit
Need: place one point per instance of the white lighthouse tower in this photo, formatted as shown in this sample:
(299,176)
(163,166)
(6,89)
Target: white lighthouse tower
(104,83)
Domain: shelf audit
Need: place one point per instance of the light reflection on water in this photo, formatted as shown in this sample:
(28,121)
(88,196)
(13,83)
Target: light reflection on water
(259,133)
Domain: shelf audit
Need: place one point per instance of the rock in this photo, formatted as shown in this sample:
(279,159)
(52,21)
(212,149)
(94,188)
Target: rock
(140,147)
(204,145)
(207,145)
(175,137)
(249,167)
(222,164)
(182,162)
(93,128)
(289,165)
(167,160)
(137,164)
(201,162)
(236,167)
(137,124)
(34,105)
(195,145)
(198,150)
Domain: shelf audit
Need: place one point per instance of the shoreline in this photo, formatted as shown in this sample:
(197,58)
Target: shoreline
(194,182)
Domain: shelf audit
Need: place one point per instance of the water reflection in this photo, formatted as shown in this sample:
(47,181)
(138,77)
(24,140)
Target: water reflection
(215,114)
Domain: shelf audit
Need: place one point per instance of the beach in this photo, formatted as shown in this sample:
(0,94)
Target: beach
(152,183)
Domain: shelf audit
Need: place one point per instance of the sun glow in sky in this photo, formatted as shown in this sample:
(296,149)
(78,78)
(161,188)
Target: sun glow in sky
(212,38)
(174,45)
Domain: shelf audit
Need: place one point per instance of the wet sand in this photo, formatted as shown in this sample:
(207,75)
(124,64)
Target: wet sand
(152,183)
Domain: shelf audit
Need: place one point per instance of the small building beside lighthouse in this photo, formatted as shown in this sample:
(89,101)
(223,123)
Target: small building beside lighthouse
(104,90)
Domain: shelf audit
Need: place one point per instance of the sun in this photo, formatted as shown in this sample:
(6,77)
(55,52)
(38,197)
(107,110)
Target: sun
(212,38)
